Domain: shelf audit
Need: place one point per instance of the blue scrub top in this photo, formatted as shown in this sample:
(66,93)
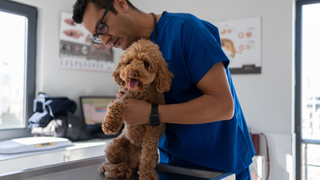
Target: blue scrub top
(191,47)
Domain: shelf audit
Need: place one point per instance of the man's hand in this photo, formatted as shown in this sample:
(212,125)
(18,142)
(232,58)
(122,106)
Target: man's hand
(136,112)
(121,92)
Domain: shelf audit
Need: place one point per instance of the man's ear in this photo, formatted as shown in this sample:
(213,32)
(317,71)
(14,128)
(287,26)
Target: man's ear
(122,5)
(116,75)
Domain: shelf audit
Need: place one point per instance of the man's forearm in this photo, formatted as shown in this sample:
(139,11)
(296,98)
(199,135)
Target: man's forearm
(204,109)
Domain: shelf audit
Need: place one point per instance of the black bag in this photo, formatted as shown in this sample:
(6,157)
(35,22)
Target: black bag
(54,117)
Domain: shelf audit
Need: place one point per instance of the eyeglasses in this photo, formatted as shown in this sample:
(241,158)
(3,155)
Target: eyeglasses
(101,28)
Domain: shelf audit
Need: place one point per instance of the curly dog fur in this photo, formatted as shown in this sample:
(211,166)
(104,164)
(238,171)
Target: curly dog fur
(144,73)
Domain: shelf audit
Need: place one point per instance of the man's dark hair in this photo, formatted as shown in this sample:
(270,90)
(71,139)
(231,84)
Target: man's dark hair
(80,6)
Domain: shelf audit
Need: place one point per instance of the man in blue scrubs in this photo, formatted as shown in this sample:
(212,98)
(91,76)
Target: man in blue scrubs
(205,123)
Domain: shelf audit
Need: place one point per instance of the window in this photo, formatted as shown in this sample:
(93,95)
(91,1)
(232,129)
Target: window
(17,68)
(307,88)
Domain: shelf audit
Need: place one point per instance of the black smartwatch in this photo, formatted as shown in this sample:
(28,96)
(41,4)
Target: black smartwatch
(154,116)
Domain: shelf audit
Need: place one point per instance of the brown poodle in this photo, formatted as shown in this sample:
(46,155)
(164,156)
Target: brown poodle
(144,73)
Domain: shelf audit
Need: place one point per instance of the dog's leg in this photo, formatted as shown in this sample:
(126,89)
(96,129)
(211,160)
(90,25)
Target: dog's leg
(120,162)
(117,150)
(149,156)
(114,117)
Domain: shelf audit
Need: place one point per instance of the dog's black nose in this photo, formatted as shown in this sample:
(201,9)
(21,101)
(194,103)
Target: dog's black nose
(133,74)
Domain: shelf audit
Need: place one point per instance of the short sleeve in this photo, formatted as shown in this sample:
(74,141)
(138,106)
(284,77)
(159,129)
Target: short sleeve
(202,48)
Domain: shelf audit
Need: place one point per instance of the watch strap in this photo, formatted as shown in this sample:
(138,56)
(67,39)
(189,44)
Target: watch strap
(154,109)
(154,118)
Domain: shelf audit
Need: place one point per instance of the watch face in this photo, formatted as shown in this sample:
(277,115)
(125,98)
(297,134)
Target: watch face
(154,120)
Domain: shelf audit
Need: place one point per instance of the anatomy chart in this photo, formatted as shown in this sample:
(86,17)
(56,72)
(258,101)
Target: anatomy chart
(241,42)
(77,51)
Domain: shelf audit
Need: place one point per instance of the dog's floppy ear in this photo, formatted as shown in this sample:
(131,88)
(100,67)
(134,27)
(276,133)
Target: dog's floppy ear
(163,79)
(116,75)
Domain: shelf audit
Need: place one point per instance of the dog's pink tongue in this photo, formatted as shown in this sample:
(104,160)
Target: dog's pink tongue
(133,83)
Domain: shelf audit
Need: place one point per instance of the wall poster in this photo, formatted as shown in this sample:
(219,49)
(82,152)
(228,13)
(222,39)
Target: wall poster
(77,51)
(241,42)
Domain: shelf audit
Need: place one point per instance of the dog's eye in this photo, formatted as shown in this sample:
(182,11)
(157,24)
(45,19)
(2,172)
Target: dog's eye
(146,64)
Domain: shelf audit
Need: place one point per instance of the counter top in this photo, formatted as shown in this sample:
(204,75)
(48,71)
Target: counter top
(88,169)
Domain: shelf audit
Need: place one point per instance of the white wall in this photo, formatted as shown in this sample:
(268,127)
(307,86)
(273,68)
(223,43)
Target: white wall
(266,98)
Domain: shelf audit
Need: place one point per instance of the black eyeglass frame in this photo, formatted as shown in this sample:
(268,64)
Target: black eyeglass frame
(96,36)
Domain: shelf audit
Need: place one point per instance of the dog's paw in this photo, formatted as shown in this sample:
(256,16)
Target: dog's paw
(103,167)
(110,125)
(113,119)
(120,170)
(150,175)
